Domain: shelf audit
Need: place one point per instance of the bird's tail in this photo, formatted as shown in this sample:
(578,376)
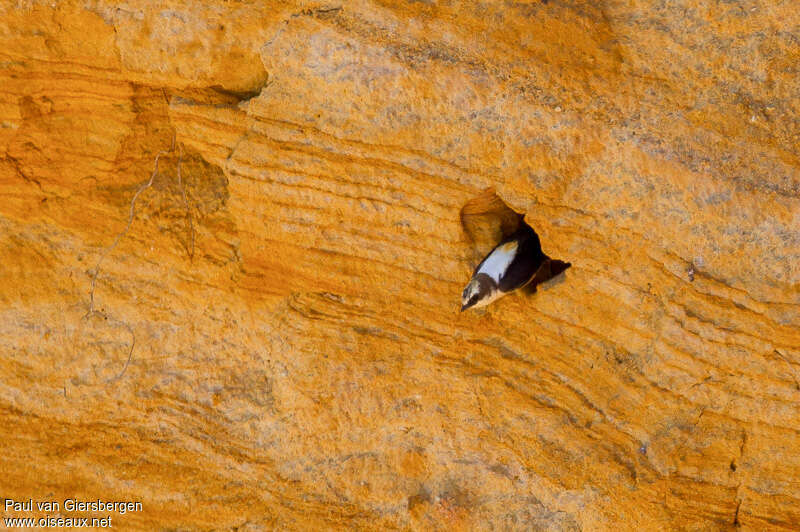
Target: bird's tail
(549,269)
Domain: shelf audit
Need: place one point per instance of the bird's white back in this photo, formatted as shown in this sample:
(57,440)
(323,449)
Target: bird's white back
(497,262)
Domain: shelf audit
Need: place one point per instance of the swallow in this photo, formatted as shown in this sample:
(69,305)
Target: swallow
(517,261)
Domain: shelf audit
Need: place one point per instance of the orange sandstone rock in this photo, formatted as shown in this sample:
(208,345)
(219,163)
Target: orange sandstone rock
(274,338)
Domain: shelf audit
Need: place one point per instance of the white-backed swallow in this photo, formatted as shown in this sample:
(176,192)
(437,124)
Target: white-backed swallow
(516,262)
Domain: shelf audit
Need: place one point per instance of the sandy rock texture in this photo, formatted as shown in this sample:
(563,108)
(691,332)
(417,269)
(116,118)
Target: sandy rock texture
(231,263)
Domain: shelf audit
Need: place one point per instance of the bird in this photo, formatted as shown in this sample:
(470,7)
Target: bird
(516,262)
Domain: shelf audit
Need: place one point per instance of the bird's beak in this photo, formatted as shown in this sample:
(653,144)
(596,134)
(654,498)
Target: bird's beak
(463,308)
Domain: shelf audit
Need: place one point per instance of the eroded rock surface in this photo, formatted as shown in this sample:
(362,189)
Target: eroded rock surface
(274,339)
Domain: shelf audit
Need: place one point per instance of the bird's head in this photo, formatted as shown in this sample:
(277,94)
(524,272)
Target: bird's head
(479,291)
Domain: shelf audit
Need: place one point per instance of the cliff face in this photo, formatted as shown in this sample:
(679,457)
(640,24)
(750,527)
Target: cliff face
(232,262)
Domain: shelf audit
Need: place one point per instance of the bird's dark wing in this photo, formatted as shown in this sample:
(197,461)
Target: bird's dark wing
(526,263)
(487,221)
